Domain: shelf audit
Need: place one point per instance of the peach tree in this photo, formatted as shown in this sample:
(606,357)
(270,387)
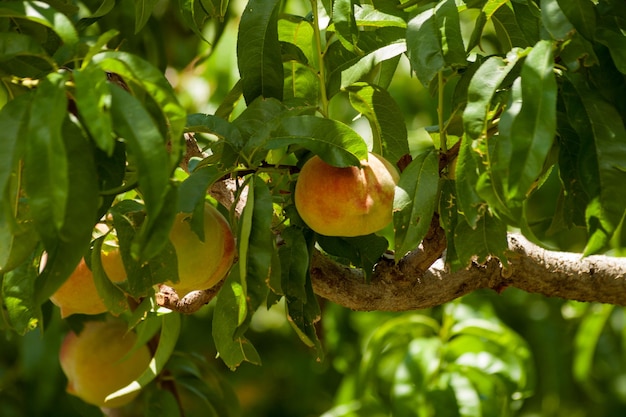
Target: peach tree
(511,166)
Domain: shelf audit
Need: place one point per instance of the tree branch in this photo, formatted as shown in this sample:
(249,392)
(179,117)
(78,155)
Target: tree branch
(531,268)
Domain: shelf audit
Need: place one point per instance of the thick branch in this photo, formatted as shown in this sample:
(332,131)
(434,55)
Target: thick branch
(531,268)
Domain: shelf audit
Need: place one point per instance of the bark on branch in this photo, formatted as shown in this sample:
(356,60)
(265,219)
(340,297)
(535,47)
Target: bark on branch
(531,268)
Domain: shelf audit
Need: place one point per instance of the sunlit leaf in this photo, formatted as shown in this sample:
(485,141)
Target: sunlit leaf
(170,329)
(434,40)
(17,293)
(415,201)
(336,143)
(385,117)
(114,298)
(554,20)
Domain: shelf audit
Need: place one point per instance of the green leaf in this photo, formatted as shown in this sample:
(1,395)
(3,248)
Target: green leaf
(481,91)
(528,18)
(554,20)
(207,123)
(194,15)
(487,239)
(586,343)
(128,219)
(336,143)
(161,403)
(14,117)
(67,248)
(143,11)
(258,51)
(170,329)
(17,293)
(507,28)
(601,119)
(363,251)
(486,14)
(93,101)
(18,237)
(113,297)
(14,45)
(434,40)
(533,128)
(147,147)
(612,36)
(469,201)
(46,178)
(345,24)
(256,243)
(302,314)
(370,62)
(294,263)
(415,201)
(44,14)
(134,69)
(373,15)
(193,190)
(385,117)
(105,8)
(232,347)
(412,379)
(582,15)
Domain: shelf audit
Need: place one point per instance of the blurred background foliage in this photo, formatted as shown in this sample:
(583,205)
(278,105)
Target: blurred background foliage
(576,352)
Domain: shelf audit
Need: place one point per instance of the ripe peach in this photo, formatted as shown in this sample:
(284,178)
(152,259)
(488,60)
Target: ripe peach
(98,362)
(78,295)
(349,201)
(201,265)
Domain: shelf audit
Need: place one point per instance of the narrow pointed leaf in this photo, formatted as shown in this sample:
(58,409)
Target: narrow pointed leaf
(607,205)
(345,24)
(385,117)
(93,101)
(415,202)
(73,239)
(143,11)
(434,40)
(480,92)
(258,51)
(534,127)
(44,14)
(170,329)
(46,177)
(113,297)
(555,20)
(335,142)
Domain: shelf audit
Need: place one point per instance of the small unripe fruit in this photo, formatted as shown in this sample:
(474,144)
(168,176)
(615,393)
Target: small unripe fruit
(78,294)
(201,265)
(348,201)
(97,362)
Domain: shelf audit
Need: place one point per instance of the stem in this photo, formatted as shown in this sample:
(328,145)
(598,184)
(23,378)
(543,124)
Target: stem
(443,140)
(320,59)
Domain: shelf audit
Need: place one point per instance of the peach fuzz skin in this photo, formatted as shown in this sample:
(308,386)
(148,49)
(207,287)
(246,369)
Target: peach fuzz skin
(78,294)
(348,201)
(201,265)
(96,364)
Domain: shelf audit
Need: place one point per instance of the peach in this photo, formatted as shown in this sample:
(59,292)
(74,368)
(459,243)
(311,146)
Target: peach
(98,361)
(201,265)
(349,201)
(78,295)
